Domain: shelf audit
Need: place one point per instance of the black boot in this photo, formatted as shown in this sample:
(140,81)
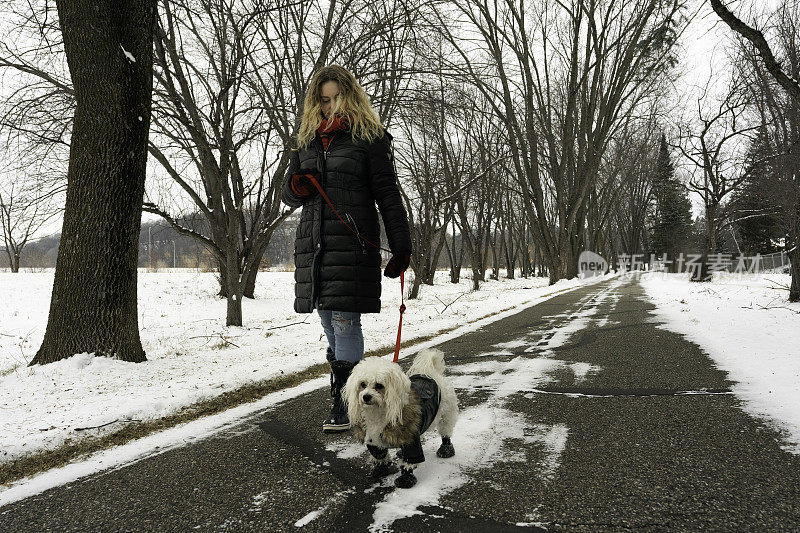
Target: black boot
(337,421)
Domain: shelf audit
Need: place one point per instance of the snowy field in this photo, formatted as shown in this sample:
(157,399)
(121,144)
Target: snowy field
(191,354)
(749,329)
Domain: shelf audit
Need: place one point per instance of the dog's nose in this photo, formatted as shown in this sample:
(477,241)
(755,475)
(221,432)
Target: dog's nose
(367,398)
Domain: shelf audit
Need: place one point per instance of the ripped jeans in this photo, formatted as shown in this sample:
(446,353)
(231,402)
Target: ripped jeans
(343,330)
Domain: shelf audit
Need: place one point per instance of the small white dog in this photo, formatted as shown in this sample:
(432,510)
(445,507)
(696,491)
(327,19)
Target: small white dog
(391,409)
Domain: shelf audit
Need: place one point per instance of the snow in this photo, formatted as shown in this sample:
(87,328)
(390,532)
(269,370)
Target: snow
(192,355)
(316,513)
(749,329)
(128,55)
(309,517)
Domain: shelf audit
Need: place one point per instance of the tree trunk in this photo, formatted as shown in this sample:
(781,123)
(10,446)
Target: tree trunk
(234,311)
(223,279)
(233,285)
(709,246)
(794,258)
(525,260)
(476,279)
(558,264)
(573,252)
(15,263)
(429,280)
(794,290)
(495,258)
(250,281)
(109,49)
(415,284)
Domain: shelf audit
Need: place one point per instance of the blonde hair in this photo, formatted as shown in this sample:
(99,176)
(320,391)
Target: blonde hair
(353,103)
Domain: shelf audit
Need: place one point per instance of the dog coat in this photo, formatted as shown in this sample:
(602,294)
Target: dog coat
(429,398)
(426,393)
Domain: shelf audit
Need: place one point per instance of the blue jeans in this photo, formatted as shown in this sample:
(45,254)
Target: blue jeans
(343,330)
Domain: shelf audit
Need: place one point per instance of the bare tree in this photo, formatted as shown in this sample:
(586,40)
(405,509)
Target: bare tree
(714,149)
(566,73)
(427,193)
(424,192)
(207,121)
(756,37)
(477,197)
(622,202)
(230,82)
(23,212)
(109,49)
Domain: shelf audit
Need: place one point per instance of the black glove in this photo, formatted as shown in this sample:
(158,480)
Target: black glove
(397,264)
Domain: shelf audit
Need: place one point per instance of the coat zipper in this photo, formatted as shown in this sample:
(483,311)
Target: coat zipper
(314,292)
(347,215)
(325,151)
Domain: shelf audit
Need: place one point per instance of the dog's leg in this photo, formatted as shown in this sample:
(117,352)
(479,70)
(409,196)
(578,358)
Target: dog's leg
(382,466)
(406,479)
(412,455)
(447,421)
(446,449)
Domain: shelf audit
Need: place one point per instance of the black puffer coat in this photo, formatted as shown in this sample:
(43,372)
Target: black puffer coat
(334,269)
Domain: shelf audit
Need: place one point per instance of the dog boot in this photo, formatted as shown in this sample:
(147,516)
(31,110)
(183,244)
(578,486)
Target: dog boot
(446,449)
(337,420)
(383,466)
(406,479)
(382,469)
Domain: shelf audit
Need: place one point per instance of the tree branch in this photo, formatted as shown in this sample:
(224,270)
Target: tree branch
(758,40)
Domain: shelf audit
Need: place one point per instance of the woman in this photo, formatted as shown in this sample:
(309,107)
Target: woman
(343,147)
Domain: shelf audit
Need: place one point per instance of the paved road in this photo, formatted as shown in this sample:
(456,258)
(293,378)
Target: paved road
(575,416)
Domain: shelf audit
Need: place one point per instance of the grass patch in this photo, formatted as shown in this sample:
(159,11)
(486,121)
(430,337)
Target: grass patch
(7,371)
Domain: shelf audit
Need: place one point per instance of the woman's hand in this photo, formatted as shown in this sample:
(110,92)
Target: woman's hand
(397,264)
(301,182)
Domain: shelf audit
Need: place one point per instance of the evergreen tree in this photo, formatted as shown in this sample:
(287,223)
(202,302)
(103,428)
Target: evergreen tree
(673,211)
(755,212)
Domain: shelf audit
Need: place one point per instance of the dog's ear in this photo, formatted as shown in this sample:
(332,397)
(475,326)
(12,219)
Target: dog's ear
(398,387)
(350,395)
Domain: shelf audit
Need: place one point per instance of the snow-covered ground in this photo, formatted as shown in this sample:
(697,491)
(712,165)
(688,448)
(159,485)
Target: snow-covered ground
(488,427)
(749,329)
(191,354)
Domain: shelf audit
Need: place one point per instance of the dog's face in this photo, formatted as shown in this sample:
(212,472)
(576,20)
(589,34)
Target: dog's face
(376,385)
(371,392)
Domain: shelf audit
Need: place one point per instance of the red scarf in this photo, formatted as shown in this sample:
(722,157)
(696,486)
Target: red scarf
(327,128)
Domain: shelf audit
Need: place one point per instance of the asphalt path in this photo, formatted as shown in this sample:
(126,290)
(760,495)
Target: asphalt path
(604,422)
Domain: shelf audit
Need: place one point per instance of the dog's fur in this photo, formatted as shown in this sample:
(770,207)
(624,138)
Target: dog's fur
(385,411)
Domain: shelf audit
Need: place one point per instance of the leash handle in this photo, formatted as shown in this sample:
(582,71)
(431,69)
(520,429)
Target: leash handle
(402,273)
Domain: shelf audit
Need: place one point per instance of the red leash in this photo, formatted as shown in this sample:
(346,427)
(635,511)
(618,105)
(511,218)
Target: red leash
(357,234)
(400,325)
